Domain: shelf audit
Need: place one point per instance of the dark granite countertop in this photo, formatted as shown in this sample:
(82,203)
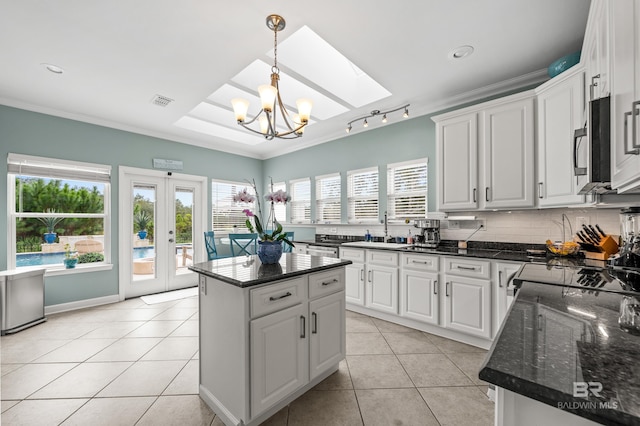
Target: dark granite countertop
(247,271)
(556,335)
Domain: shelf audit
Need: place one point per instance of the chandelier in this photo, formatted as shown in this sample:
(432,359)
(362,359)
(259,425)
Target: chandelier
(293,124)
(377,112)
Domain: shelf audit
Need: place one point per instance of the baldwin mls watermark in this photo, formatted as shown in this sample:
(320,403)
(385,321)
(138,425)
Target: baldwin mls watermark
(584,390)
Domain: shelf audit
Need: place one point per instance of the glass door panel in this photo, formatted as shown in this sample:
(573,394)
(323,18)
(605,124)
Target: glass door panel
(143,259)
(183,225)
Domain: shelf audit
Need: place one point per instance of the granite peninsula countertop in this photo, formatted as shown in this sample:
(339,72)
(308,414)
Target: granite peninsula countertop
(247,271)
(556,335)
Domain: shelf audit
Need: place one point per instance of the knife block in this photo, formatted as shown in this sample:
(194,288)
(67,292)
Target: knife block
(608,246)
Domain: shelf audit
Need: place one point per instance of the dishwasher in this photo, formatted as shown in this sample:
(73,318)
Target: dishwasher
(21,300)
(322,251)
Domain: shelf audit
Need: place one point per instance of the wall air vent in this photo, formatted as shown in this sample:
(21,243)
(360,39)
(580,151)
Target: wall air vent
(160,100)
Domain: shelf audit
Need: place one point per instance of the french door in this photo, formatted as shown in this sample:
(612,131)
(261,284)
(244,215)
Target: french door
(161,221)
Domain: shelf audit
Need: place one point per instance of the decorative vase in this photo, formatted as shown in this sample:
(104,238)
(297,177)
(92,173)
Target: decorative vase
(70,263)
(269,251)
(50,237)
(142,234)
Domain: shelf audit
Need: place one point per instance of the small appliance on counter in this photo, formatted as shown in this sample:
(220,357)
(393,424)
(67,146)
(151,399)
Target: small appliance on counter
(626,264)
(429,235)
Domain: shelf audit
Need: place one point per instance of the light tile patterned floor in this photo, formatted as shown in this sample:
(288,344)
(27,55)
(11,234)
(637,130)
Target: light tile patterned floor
(135,364)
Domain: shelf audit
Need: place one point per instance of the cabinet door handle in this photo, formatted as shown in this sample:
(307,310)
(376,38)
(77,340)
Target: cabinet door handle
(466,268)
(577,134)
(330,282)
(486,194)
(287,294)
(539,322)
(362,275)
(369,275)
(626,135)
(635,143)
(303,327)
(474,195)
(435,286)
(499,278)
(540,190)
(314,316)
(446,288)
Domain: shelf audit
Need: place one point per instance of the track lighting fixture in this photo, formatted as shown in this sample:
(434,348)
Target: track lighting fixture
(377,112)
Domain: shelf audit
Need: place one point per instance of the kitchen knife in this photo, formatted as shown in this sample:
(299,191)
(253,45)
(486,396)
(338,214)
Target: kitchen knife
(582,237)
(601,231)
(590,233)
(587,236)
(595,233)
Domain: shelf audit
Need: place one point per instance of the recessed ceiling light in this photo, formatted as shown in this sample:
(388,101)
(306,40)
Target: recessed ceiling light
(53,68)
(460,52)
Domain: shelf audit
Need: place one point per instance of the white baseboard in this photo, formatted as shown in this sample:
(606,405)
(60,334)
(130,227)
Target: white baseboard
(80,304)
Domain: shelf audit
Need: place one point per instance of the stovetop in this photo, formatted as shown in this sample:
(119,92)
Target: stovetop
(612,279)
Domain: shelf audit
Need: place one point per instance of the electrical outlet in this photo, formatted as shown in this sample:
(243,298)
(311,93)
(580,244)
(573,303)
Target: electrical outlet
(581,220)
(454,224)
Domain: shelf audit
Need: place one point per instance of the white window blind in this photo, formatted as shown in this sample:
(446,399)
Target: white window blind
(225,212)
(280,209)
(362,195)
(407,189)
(328,198)
(301,201)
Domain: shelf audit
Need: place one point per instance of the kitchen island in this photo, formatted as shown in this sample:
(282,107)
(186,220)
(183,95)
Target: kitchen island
(562,355)
(268,333)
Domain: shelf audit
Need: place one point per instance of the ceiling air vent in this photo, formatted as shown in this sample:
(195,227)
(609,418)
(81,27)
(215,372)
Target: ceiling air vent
(160,100)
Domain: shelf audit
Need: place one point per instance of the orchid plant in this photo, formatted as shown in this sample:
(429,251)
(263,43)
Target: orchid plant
(273,231)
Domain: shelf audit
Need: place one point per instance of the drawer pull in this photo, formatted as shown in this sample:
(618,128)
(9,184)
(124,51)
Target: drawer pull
(287,294)
(466,268)
(314,330)
(335,280)
(424,262)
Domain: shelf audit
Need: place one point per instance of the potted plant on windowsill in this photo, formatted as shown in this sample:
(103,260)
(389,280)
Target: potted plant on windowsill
(271,236)
(141,221)
(70,258)
(50,223)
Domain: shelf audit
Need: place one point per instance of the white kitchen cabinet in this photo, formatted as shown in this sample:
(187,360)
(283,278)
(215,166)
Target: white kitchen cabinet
(485,155)
(509,162)
(625,95)
(467,298)
(419,289)
(382,280)
(457,162)
(502,272)
(354,275)
(596,55)
(279,356)
(560,112)
(327,345)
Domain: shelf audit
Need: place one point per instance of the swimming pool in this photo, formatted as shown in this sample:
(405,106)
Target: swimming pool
(36,259)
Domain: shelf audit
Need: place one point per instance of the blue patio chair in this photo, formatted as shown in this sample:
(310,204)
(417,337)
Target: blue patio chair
(286,248)
(243,244)
(210,244)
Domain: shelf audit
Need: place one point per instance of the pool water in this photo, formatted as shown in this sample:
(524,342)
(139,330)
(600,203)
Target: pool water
(36,259)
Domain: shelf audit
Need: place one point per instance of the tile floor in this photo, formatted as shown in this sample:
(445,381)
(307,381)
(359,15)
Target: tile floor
(135,364)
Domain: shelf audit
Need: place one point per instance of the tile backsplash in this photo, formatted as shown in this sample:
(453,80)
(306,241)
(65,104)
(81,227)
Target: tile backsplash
(522,226)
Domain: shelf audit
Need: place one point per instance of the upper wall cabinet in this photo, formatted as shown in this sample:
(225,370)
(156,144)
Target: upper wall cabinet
(485,155)
(625,94)
(561,110)
(595,52)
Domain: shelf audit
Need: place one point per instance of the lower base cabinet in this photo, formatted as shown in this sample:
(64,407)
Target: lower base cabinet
(354,285)
(419,296)
(468,305)
(382,288)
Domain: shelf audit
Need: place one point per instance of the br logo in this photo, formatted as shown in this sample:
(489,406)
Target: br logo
(582,389)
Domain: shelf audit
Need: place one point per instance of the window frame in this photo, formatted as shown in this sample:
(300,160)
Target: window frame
(57,169)
(295,201)
(321,201)
(241,216)
(351,199)
(393,195)
(279,209)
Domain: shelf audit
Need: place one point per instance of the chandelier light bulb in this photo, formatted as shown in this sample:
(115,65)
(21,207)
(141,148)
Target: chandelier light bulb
(240,108)
(264,124)
(348,129)
(384,118)
(267,96)
(304,109)
(366,123)
(406,113)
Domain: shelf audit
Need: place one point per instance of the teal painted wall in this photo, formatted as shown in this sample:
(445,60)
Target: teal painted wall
(405,140)
(30,133)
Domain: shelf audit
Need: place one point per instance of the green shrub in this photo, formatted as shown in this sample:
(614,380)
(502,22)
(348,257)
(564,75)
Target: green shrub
(91,258)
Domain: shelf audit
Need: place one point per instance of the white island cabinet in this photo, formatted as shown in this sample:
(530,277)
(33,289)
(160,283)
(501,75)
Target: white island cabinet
(268,333)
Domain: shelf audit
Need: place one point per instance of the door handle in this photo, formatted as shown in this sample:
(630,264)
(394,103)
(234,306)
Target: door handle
(170,240)
(303,327)
(540,190)
(635,144)
(626,135)
(577,134)
(446,288)
(369,275)
(362,275)
(486,194)
(474,195)
(435,286)
(499,278)
(314,330)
